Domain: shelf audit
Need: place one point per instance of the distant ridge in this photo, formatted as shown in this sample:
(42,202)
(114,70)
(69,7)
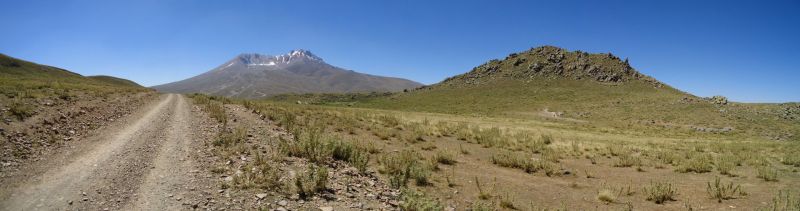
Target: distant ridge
(252,75)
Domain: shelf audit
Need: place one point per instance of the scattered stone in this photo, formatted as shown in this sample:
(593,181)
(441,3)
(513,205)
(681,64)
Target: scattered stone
(261,196)
(326,208)
(283,203)
(719,100)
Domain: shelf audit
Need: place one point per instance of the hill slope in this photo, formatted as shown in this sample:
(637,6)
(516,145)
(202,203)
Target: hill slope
(13,70)
(255,75)
(582,88)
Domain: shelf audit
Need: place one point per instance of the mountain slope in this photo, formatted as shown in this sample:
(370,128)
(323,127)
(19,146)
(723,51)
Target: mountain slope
(255,75)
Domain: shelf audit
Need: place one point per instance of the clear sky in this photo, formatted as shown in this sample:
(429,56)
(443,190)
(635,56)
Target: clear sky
(746,50)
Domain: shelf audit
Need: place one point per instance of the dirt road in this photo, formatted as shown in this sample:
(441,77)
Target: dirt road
(140,163)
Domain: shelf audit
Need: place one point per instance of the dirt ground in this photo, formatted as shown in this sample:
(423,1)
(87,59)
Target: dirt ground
(160,157)
(137,163)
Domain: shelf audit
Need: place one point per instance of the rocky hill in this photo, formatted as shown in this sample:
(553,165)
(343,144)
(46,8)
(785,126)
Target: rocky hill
(554,62)
(299,71)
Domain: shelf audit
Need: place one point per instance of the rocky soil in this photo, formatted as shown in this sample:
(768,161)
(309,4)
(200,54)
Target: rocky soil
(60,123)
(157,153)
(348,189)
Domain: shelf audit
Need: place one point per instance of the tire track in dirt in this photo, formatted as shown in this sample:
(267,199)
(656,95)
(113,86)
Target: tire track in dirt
(167,183)
(135,166)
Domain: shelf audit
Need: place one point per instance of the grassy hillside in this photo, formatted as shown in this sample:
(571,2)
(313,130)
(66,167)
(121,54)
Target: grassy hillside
(590,91)
(26,87)
(114,81)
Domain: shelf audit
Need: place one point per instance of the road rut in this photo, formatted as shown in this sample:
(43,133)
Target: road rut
(140,164)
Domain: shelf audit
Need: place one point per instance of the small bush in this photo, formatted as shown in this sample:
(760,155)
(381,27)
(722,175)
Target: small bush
(309,143)
(346,151)
(792,159)
(312,181)
(488,137)
(720,191)
(404,166)
(660,192)
(627,160)
(698,164)
(514,160)
(550,169)
(784,201)
(606,195)
(725,164)
(417,201)
(21,110)
(230,138)
(767,173)
(445,157)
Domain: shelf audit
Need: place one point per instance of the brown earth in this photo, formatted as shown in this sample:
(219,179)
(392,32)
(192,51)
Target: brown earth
(140,162)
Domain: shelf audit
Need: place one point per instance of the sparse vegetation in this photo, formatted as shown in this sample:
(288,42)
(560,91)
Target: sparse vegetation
(417,201)
(606,195)
(660,192)
(720,191)
(311,181)
(787,200)
(767,173)
(404,166)
(445,157)
(697,163)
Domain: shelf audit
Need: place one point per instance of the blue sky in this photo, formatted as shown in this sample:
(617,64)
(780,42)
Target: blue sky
(745,50)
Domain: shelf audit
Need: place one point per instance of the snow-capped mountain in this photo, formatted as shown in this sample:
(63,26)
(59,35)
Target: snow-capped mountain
(299,71)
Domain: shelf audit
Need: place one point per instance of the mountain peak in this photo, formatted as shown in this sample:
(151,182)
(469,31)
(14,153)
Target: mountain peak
(256,59)
(303,53)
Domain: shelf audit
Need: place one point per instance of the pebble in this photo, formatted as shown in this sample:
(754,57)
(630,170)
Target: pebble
(326,208)
(283,203)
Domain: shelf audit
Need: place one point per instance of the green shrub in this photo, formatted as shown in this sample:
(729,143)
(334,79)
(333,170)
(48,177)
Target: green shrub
(445,157)
(308,144)
(21,110)
(699,164)
(767,173)
(514,160)
(784,201)
(404,166)
(488,137)
(346,151)
(627,160)
(791,158)
(720,191)
(312,181)
(261,175)
(660,192)
(725,164)
(227,139)
(418,201)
